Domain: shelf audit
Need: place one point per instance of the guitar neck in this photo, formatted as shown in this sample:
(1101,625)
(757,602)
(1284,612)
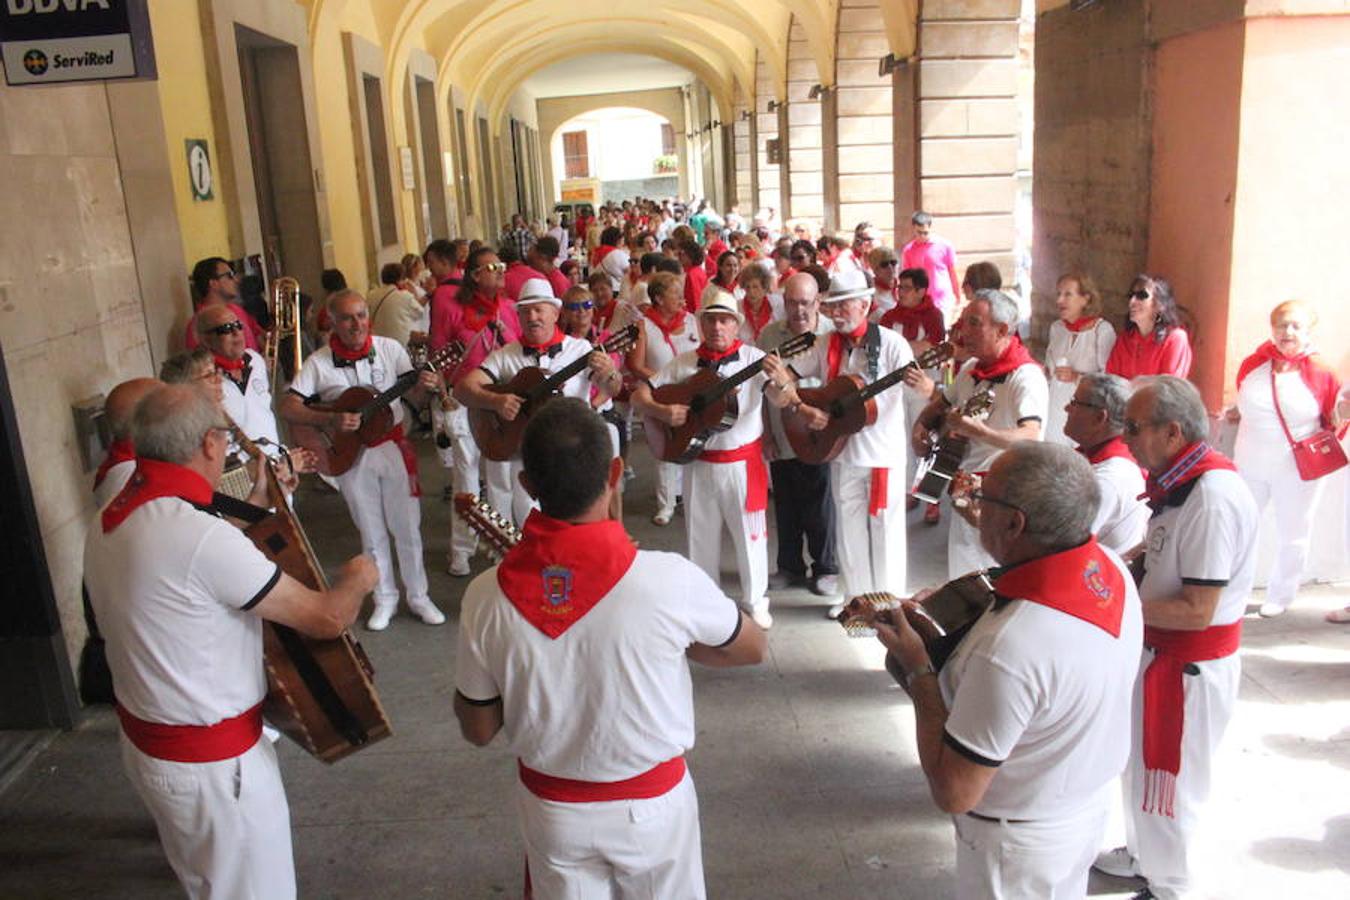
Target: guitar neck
(887,381)
(564,375)
(401,386)
(726,385)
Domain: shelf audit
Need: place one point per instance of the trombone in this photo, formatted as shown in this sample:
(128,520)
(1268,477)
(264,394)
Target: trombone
(284,306)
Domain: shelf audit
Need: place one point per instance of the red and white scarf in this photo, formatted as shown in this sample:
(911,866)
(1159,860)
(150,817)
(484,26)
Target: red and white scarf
(119,451)
(1012,357)
(153,480)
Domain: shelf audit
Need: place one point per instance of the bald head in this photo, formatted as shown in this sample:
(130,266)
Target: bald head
(802,286)
(801,303)
(213,316)
(121,404)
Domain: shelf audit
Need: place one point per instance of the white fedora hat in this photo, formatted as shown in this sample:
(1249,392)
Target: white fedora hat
(849,284)
(721,302)
(537,290)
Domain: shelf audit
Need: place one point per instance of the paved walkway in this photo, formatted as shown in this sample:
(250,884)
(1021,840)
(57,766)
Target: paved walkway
(807,775)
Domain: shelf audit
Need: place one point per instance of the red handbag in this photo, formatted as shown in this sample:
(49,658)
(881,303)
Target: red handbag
(1316,455)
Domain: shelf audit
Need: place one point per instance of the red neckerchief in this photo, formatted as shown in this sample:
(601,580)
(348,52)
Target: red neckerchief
(1014,355)
(604,316)
(554,340)
(152,480)
(909,318)
(834,356)
(1108,449)
(560,571)
(1083,323)
(480,310)
(667,329)
(712,356)
(229,365)
(757,320)
(599,253)
(1190,464)
(342,352)
(119,451)
(1081,582)
(1319,379)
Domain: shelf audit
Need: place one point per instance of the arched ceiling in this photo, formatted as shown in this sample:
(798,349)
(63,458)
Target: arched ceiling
(486,48)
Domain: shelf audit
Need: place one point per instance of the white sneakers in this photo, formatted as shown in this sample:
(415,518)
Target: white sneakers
(1271,610)
(459,566)
(1117,862)
(762,618)
(424,609)
(662,518)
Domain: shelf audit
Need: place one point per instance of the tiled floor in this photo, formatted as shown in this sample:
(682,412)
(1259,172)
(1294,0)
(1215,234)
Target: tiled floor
(806,770)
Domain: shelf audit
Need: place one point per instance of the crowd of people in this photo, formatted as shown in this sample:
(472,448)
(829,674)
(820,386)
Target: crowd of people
(1119,546)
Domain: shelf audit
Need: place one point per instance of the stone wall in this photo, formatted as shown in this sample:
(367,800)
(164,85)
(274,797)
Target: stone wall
(865,148)
(806,188)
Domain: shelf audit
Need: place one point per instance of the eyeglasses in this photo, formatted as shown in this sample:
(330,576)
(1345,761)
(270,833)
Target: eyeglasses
(1137,295)
(886,264)
(980,497)
(227,328)
(1076,402)
(492,267)
(211,374)
(584,304)
(228,273)
(1132,428)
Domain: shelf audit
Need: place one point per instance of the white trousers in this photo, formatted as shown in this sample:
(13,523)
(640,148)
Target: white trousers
(615,850)
(464,479)
(714,496)
(1277,481)
(1162,843)
(521,502)
(964,552)
(870,549)
(669,482)
(1045,859)
(377,493)
(225,826)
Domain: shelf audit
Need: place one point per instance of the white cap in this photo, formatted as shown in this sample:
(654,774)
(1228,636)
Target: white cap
(719,301)
(537,290)
(847,284)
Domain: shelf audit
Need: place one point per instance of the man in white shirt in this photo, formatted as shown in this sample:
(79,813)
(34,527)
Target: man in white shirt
(542,345)
(180,596)
(244,389)
(869,508)
(1095,422)
(577,646)
(987,330)
(120,460)
(380,488)
(1022,734)
(728,485)
(1199,565)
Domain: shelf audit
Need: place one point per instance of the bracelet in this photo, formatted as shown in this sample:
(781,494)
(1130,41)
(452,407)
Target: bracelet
(925,669)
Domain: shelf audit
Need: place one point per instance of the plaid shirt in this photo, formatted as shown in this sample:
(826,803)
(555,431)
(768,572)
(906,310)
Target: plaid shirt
(522,239)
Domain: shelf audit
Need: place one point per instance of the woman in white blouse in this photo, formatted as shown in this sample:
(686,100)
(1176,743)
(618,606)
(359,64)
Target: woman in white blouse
(1080,343)
(1288,368)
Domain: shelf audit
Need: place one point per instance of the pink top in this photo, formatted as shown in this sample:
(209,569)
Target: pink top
(517,273)
(1135,354)
(253,332)
(448,324)
(937,258)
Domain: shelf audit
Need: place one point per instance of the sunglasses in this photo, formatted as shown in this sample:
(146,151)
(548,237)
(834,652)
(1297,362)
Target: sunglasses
(227,328)
(1137,295)
(492,267)
(584,304)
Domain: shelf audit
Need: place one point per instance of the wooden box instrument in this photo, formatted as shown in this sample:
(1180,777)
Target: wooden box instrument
(935,474)
(941,619)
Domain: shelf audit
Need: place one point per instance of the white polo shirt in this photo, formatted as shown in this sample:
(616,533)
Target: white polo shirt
(749,394)
(612,696)
(1046,697)
(1122,518)
(1210,539)
(114,480)
(885,443)
(320,377)
(171,587)
(1021,396)
(249,403)
(505,363)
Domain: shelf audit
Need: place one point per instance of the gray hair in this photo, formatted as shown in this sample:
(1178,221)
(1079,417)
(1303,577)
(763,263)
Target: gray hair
(1055,489)
(1177,400)
(1108,393)
(171,422)
(181,369)
(340,295)
(1002,308)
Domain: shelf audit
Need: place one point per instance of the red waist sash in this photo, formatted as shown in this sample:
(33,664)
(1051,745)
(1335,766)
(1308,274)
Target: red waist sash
(756,473)
(409,454)
(225,739)
(656,781)
(1165,702)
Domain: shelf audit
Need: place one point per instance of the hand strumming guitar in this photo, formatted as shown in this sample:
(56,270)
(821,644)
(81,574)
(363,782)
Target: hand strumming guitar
(346,421)
(507,405)
(963,485)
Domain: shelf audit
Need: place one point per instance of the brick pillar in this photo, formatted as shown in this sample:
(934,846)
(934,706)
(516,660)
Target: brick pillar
(968,126)
(864,123)
(766,130)
(806,188)
(742,156)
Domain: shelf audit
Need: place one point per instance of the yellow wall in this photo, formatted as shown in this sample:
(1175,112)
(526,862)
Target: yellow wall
(186,106)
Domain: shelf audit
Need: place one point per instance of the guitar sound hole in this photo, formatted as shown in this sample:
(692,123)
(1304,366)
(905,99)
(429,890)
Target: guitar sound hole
(276,542)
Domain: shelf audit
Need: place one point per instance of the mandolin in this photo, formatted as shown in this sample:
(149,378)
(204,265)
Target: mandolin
(936,473)
(337,451)
(712,405)
(499,438)
(487,523)
(851,404)
(942,618)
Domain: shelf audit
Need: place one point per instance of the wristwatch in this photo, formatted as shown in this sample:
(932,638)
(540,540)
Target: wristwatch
(925,669)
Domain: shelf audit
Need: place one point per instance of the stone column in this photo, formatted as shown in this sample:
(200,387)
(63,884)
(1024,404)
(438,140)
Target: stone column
(864,150)
(806,189)
(767,193)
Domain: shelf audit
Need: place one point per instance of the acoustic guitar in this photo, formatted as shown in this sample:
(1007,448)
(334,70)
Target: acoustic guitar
(337,451)
(851,404)
(320,692)
(942,618)
(498,438)
(487,523)
(937,472)
(712,406)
